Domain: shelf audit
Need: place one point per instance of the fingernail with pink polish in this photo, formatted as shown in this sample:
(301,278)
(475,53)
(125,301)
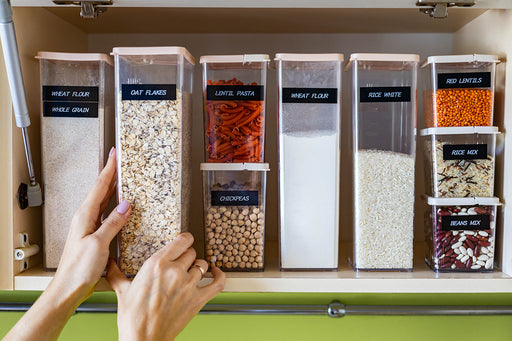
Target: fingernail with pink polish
(123,207)
(111,151)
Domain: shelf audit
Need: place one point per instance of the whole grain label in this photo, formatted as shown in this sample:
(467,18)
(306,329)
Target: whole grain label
(148,92)
(234,198)
(385,94)
(310,95)
(235,92)
(70,101)
(70,109)
(464,80)
(466,222)
(465,151)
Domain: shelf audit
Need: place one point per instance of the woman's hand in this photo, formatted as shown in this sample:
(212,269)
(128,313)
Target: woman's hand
(164,296)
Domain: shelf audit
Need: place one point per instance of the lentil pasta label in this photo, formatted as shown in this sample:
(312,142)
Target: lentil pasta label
(465,151)
(464,80)
(235,92)
(465,222)
(385,94)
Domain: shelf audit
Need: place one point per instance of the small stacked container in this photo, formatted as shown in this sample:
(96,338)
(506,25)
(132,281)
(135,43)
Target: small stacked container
(309,116)
(460,147)
(234,177)
(384,119)
(77,132)
(153,111)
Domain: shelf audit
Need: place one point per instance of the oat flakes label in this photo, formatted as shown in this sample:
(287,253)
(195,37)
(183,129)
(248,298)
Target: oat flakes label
(234,198)
(70,101)
(465,151)
(385,94)
(464,80)
(235,92)
(466,222)
(148,92)
(310,95)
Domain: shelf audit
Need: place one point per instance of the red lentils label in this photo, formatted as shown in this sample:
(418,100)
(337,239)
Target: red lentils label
(464,80)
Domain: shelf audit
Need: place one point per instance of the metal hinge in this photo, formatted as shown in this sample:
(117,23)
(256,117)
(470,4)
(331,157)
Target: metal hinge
(25,251)
(439,8)
(89,9)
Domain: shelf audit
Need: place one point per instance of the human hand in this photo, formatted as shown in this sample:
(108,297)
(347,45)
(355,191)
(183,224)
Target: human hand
(86,252)
(164,296)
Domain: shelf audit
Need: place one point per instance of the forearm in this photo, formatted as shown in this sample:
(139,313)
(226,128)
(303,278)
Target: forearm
(47,316)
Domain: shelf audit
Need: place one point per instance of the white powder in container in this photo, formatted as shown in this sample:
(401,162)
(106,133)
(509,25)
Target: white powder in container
(309,201)
(384,210)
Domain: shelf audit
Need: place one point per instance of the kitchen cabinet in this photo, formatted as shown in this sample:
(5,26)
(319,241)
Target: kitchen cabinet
(217,27)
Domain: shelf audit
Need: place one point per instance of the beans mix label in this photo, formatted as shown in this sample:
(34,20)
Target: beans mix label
(235,121)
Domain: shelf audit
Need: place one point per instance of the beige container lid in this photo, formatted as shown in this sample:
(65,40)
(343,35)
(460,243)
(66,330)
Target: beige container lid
(309,57)
(471,201)
(382,57)
(153,50)
(463,58)
(79,57)
(239,58)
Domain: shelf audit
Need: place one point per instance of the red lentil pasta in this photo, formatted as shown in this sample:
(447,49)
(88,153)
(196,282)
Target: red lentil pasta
(235,128)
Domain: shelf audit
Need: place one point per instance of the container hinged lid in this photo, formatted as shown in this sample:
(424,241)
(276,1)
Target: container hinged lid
(309,57)
(463,58)
(470,201)
(153,50)
(239,58)
(459,130)
(381,57)
(235,166)
(72,57)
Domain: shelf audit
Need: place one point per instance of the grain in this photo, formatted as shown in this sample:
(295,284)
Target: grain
(384,211)
(463,107)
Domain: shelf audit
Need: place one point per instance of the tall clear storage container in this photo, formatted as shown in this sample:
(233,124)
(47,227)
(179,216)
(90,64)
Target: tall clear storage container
(384,119)
(77,132)
(234,88)
(309,159)
(459,90)
(153,113)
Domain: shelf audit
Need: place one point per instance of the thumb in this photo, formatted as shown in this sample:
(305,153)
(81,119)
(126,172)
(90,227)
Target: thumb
(117,280)
(114,222)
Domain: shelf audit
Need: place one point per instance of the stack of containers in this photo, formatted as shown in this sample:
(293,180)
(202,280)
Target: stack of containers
(309,159)
(460,145)
(153,123)
(234,177)
(384,120)
(77,131)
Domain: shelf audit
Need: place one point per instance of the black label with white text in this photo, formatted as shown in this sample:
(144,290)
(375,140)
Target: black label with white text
(148,92)
(234,198)
(235,92)
(464,80)
(70,109)
(465,151)
(385,94)
(71,93)
(466,222)
(310,95)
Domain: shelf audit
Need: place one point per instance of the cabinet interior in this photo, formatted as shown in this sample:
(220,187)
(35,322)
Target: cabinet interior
(222,31)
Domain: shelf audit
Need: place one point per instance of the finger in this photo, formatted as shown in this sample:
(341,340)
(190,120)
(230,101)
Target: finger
(197,270)
(186,260)
(106,201)
(175,248)
(117,280)
(211,290)
(102,184)
(114,222)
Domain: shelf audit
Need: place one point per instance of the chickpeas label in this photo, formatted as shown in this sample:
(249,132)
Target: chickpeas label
(235,92)
(310,95)
(234,198)
(464,80)
(466,222)
(465,151)
(148,92)
(70,101)
(385,94)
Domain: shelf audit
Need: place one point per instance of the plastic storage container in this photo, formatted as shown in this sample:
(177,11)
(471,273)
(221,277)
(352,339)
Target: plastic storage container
(460,234)
(234,107)
(153,108)
(77,132)
(234,215)
(459,90)
(460,161)
(384,117)
(309,159)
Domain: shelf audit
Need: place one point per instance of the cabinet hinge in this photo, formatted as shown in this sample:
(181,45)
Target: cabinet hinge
(439,8)
(89,9)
